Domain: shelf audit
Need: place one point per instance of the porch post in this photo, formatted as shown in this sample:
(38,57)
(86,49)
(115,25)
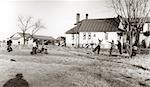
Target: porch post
(78,40)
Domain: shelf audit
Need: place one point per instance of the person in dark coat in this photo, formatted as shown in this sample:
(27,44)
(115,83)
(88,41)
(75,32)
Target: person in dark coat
(143,44)
(98,47)
(17,82)
(119,47)
(37,43)
(9,43)
(134,50)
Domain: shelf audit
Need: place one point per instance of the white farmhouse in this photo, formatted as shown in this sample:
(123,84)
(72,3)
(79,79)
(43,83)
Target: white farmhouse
(18,37)
(88,31)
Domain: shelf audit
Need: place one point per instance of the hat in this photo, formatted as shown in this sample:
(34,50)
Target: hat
(19,75)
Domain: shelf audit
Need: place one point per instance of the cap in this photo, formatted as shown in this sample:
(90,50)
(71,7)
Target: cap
(19,75)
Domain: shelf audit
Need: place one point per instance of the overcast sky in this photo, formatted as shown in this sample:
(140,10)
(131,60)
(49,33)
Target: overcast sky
(57,15)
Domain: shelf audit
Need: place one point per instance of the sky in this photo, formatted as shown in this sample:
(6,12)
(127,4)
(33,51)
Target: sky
(57,16)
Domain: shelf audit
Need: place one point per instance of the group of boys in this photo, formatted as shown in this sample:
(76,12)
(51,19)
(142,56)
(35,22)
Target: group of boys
(98,47)
(36,49)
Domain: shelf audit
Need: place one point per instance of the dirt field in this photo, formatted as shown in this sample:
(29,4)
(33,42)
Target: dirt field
(71,67)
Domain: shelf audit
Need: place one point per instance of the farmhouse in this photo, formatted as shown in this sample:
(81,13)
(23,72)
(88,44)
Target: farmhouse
(87,32)
(18,37)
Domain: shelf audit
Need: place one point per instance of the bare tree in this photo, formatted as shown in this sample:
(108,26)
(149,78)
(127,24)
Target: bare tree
(37,26)
(133,14)
(26,23)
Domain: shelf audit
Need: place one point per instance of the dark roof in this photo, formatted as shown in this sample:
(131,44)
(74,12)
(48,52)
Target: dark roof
(14,37)
(99,25)
(96,25)
(27,35)
(60,38)
(42,37)
(74,30)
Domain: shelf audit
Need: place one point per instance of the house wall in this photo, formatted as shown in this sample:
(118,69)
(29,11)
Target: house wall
(146,27)
(71,39)
(92,38)
(15,42)
(88,38)
(17,38)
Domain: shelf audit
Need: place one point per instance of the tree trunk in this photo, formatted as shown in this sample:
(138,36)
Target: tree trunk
(137,38)
(131,38)
(24,39)
(129,45)
(129,48)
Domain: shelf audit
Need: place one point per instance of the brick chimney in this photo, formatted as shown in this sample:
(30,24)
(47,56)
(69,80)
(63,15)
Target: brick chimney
(77,17)
(86,16)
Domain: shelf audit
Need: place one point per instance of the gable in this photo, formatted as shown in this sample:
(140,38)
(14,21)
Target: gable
(74,30)
(16,36)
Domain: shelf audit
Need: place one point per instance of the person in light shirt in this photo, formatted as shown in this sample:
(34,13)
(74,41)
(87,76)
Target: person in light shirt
(98,47)
(112,47)
(34,47)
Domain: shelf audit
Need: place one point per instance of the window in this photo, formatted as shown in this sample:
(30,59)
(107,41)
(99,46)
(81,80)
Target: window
(84,36)
(89,36)
(94,35)
(72,36)
(106,36)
